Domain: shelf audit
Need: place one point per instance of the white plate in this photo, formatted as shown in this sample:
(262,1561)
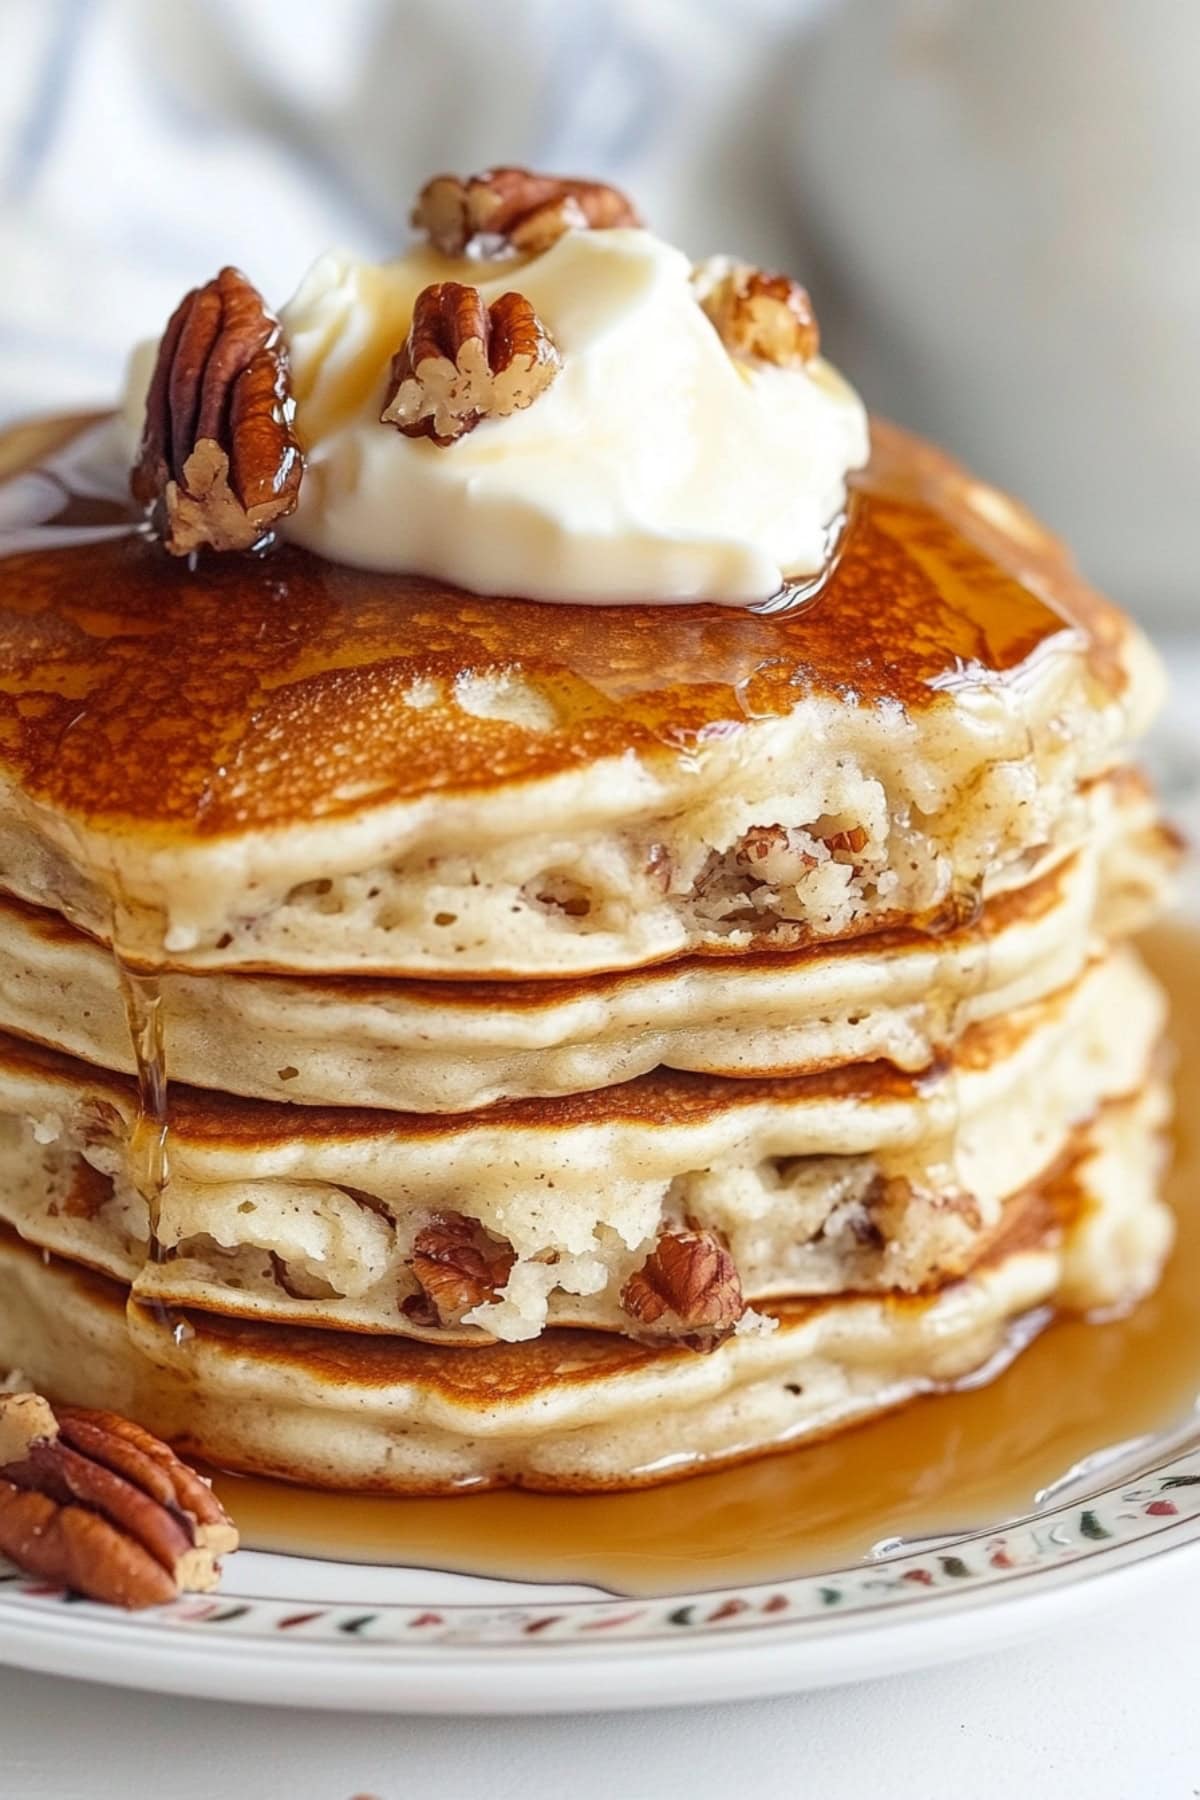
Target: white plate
(298,1632)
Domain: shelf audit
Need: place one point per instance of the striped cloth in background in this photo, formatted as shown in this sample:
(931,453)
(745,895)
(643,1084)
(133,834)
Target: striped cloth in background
(143,143)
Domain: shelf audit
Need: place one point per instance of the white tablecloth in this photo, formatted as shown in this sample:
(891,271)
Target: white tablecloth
(1106,1713)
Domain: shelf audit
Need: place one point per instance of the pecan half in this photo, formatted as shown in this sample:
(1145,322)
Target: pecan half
(688,1288)
(759,316)
(515,209)
(218,463)
(459,1265)
(462,362)
(93,1501)
(130,1450)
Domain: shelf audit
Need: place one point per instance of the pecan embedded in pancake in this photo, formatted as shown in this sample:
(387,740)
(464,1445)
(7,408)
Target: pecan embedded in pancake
(458,1265)
(687,1288)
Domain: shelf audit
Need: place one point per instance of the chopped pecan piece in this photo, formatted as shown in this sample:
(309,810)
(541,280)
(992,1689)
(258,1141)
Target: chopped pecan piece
(459,1265)
(687,1288)
(515,209)
(420,1310)
(778,847)
(759,316)
(89,1191)
(219,465)
(854,839)
(462,362)
(24,1419)
(93,1501)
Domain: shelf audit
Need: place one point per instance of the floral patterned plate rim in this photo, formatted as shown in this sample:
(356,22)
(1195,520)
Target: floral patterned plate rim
(358,1636)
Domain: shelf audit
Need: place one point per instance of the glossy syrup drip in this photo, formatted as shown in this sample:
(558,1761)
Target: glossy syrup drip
(963,1460)
(149,1161)
(803,590)
(73,492)
(148,1142)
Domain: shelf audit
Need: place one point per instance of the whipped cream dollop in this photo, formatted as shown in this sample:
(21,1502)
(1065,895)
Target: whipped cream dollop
(655,467)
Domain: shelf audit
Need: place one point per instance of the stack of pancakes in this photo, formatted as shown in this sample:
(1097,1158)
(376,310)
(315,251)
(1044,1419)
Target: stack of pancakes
(599,1041)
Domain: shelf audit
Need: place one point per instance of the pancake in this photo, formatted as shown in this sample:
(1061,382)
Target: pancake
(291,765)
(862,1177)
(442,1046)
(581,1410)
(601,1041)
(570,1037)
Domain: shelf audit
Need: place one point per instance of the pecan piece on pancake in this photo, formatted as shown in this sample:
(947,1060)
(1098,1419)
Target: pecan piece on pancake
(760,316)
(458,1265)
(774,854)
(852,840)
(463,361)
(219,464)
(91,1500)
(89,1191)
(515,209)
(687,1289)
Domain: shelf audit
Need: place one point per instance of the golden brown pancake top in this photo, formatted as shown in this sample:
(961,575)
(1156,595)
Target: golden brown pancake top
(263,690)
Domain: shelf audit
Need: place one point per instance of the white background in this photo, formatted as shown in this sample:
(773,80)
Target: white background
(1109,1711)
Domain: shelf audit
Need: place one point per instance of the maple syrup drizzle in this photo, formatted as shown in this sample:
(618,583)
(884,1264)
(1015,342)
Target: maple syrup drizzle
(148,1142)
(963,1460)
(66,514)
(802,590)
